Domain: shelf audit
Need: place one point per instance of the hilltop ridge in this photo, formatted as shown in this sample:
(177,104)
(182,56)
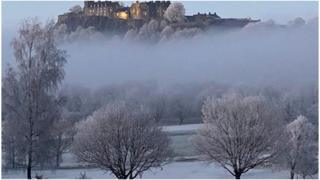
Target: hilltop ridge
(108,16)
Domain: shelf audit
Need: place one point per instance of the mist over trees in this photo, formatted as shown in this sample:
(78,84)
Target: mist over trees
(225,57)
(181,103)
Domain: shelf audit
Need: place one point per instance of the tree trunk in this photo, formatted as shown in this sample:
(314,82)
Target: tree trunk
(291,174)
(29,163)
(58,155)
(58,160)
(30,135)
(29,176)
(304,176)
(181,120)
(237,175)
(13,158)
(122,176)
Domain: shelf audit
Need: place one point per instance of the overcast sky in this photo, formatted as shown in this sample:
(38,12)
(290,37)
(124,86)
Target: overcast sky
(281,12)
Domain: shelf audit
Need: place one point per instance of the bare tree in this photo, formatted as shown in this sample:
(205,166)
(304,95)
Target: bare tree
(63,133)
(301,101)
(123,140)
(239,134)
(300,155)
(157,106)
(79,102)
(9,144)
(180,109)
(32,97)
(10,96)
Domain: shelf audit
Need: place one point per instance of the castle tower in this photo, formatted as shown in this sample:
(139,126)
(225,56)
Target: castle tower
(143,10)
(148,10)
(101,8)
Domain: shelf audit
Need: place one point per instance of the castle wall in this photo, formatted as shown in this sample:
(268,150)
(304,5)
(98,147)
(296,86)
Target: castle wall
(148,10)
(138,10)
(105,8)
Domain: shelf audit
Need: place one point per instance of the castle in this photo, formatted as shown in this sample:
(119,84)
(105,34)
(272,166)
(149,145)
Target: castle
(137,10)
(114,17)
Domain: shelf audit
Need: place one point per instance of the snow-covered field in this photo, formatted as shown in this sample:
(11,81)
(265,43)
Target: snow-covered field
(174,170)
(188,128)
(181,137)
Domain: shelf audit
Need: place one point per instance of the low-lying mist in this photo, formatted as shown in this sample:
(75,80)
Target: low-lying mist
(263,53)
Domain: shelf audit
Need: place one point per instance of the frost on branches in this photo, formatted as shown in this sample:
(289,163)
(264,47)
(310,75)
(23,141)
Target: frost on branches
(240,132)
(123,140)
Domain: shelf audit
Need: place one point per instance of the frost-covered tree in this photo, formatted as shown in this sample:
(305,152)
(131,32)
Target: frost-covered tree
(79,102)
(297,22)
(186,33)
(175,12)
(180,108)
(239,134)
(149,31)
(166,33)
(123,140)
(300,154)
(10,96)
(29,90)
(76,103)
(157,105)
(75,9)
(301,101)
(64,35)
(130,35)
(63,132)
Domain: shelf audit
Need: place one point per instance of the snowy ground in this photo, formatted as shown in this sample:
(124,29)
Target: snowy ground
(181,137)
(174,170)
(188,128)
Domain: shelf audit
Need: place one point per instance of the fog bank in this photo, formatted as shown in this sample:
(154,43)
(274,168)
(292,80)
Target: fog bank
(263,53)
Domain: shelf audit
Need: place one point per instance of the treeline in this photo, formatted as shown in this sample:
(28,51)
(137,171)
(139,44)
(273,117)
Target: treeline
(181,103)
(168,105)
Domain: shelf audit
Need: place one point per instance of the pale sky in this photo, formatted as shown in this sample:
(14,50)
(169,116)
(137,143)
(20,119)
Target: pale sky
(14,11)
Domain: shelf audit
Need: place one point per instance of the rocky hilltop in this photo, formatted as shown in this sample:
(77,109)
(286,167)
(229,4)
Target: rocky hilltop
(100,23)
(113,17)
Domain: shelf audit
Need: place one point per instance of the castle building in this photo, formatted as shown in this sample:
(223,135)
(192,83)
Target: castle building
(138,10)
(148,10)
(117,18)
(105,8)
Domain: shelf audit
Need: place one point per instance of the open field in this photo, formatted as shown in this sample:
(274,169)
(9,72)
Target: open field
(181,170)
